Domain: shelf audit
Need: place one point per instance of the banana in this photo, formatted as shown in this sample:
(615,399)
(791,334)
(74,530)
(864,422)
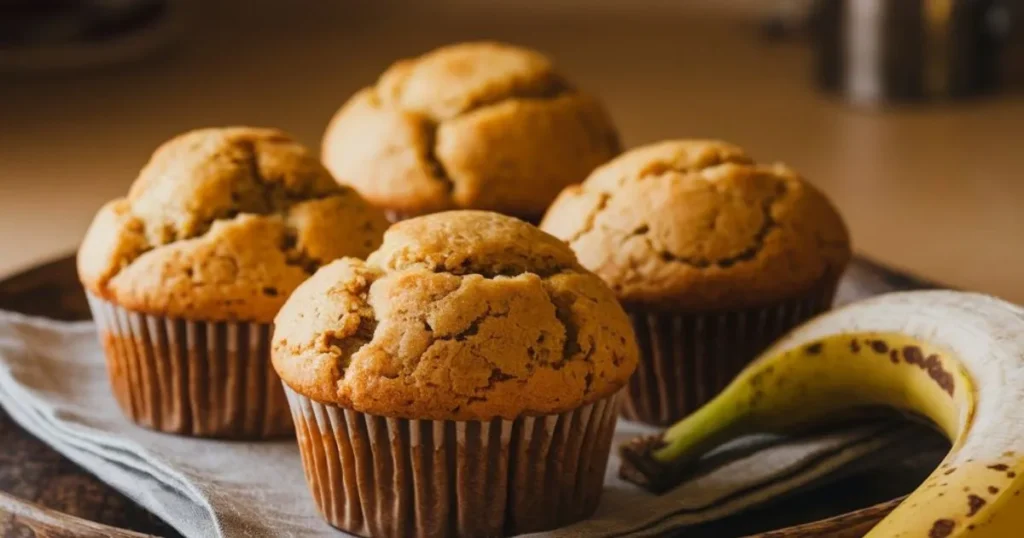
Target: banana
(955,359)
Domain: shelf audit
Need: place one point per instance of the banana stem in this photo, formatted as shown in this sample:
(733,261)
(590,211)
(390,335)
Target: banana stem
(690,438)
(660,462)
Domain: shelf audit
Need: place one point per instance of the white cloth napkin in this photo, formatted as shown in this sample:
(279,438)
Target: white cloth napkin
(53,383)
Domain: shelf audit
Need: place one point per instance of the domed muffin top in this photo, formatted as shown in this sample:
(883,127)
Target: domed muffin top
(691,225)
(222,224)
(475,125)
(462,315)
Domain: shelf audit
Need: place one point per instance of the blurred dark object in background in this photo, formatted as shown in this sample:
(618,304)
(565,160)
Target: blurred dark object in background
(47,35)
(887,51)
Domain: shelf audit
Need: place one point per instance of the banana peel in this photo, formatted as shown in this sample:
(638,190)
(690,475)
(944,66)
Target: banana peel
(955,359)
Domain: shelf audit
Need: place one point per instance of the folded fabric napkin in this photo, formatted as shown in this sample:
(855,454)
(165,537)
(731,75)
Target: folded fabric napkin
(53,382)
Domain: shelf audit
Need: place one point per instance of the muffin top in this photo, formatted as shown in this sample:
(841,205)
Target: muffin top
(461,315)
(474,125)
(692,225)
(222,224)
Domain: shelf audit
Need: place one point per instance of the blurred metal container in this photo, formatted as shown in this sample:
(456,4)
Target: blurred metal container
(878,51)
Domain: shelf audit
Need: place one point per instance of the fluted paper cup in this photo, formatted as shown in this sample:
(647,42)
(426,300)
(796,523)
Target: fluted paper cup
(390,477)
(197,378)
(687,359)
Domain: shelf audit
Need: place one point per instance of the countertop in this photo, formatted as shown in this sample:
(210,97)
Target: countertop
(936,190)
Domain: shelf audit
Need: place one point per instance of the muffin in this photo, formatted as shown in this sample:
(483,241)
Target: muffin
(463,381)
(185,274)
(468,126)
(712,255)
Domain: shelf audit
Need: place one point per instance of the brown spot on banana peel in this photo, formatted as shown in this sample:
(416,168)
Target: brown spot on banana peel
(894,356)
(930,364)
(815,348)
(758,380)
(999,467)
(974,503)
(878,346)
(993,490)
(855,346)
(756,397)
(942,528)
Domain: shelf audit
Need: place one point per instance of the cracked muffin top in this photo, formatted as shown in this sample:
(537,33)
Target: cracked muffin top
(695,225)
(222,224)
(468,126)
(460,315)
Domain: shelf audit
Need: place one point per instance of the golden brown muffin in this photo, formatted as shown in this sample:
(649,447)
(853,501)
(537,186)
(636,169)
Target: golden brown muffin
(474,125)
(222,224)
(462,315)
(469,345)
(698,226)
(712,255)
(185,274)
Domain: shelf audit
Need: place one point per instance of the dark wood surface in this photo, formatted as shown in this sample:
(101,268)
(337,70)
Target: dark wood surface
(65,500)
(44,494)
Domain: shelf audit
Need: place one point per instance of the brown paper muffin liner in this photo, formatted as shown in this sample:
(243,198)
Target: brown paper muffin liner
(204,379)
(390,477)
(686,359)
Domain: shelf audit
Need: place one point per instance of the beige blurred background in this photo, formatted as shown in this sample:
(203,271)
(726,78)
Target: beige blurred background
(936,190)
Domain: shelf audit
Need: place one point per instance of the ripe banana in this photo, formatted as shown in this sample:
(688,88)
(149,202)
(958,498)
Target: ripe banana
(956,359)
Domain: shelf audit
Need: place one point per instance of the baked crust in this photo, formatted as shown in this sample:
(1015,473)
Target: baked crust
(696,225)
(222,224)
(474,125)
(462,315)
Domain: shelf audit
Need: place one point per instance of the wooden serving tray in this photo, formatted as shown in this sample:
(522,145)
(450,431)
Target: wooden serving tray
(44,494)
